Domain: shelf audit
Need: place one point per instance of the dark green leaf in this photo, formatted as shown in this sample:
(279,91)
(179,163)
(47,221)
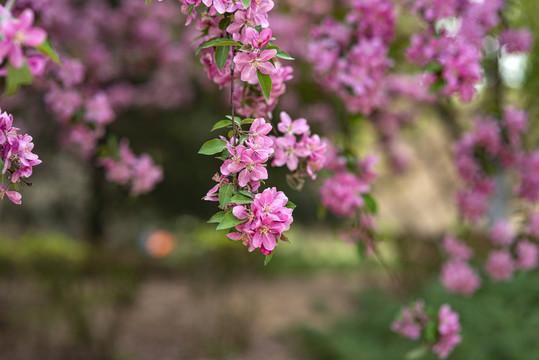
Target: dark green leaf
(290,205)
(221,124)
(438,85)
(229,220)
(212,147)
(361,249)
(217,217)
(246,3)
(265,83)
(17,77)
(190,9)
(429,332)
(48,50)
(223,24)
(370,203)
(241,199)
(225,194)
(221,54)
(433,67)
(246,193)
(216,42)
(267,259)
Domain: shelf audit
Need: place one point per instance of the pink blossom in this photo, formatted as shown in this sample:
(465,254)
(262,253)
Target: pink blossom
(342,194)
(16,33)
(516,40)
(448,332)
(258,40)
(527,255)
(287,126)
(456,249)
(502,233)
(98,110)
(14,196)
(411,321)
(249,63)
(458,277)
(533,225)
(500,265)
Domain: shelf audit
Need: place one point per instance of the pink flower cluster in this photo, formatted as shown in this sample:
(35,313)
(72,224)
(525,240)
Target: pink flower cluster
(414,319)
(342,193)
(457,275)
(457,50)
(255,55)
(351,58)
(516,40)
(18,34)
(448,332)
(266,217)
(491,144)
(139,173)
(309,153)
(16,158)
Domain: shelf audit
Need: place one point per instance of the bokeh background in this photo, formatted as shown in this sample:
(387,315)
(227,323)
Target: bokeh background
(89,272)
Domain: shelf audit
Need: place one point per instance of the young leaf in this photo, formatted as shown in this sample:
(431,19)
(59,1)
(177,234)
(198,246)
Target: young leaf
(268,259)
(370,203)
(148,1)
(229,220)
(241,199)
(47,49)
(265,83)
(246,3)
(217,217)
(221,54)
(17,77)
(212,147)
(284,238)
(247,121)
(221,124)
(216,42)
(190,9)
(225,194)
(283,55)
(290,205)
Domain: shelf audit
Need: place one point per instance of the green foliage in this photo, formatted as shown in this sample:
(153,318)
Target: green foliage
(225,194)
(246,3)
(229,221)
(217,42)
(212,147)
(499,322)
(221,54)
(17,77)
(48,50)
(265,83)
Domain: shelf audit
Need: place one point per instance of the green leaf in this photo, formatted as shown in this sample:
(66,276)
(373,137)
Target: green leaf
(217,217)
(1,166)
(241,199)
(225,22)
(246,193)
(17,77)
(283,55)
(148,1)
(216,42)
(438,85)
(268,259)
(225,194)
(48,50)
(290,205)
(246,3)
(361,249)
(370,203)
(429,332)
(236,118)
(221,54)
(416,353)
(190,9)
(212,147)
(247,121)
(229,220)
(265,83)
(433,67)
(221,124)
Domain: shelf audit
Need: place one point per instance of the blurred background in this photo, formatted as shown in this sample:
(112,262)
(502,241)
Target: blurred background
(89,272)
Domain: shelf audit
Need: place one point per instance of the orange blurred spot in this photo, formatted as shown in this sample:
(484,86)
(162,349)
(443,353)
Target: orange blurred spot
(160,243)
